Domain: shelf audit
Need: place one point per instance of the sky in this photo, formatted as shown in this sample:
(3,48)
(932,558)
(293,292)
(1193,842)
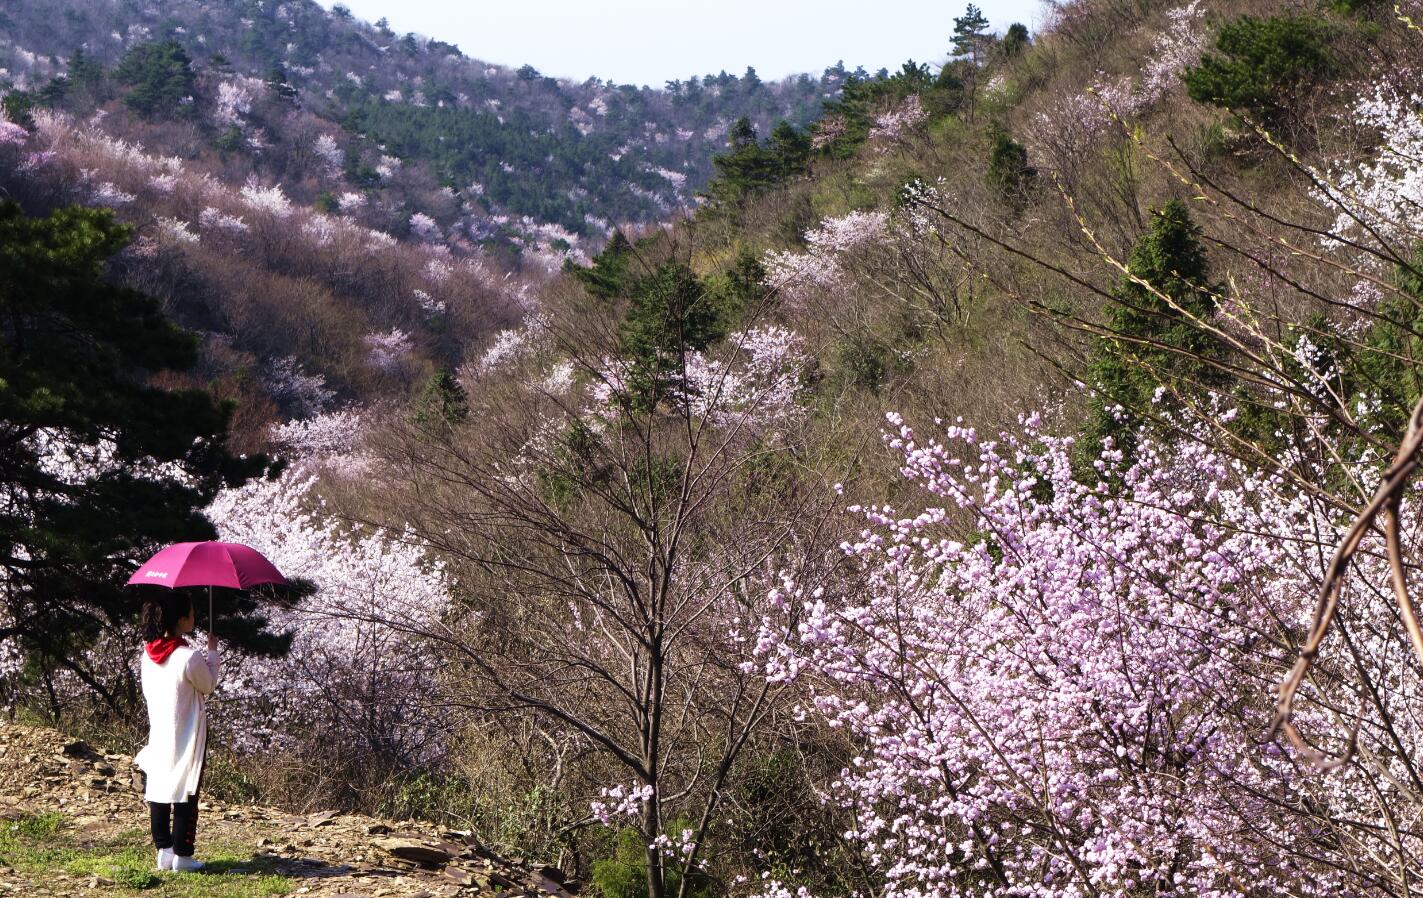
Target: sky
(651,42)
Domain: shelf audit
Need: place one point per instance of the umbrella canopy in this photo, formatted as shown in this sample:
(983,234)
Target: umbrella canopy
(232,565)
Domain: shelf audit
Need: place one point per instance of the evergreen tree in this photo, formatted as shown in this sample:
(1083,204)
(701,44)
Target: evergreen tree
(970,34)
(947,94)
(18,107)
(160,80)
(789,147)
(98,467)
(741,135)
(609,274)
(442,401)
(970,31)
(739,288)
(1387,371)
(1009,173)
(278,84)
(1015,40)
(1154,342)
(1259,63)
(671,311)
(749,167)
(85,72)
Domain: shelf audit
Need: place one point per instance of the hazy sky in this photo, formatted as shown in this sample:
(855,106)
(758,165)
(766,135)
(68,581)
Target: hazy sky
(648,42)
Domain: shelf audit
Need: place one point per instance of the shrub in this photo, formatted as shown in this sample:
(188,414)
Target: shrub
(1016,39)
(1156,341)
(1009,173)
(1258,63)
(18,107)
(864,362)
(624,875)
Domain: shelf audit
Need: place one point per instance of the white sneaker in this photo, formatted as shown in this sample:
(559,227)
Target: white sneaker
(186,864)
(165,859)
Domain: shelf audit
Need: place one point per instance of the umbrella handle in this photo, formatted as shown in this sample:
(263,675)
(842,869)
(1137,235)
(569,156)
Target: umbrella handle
(211,629)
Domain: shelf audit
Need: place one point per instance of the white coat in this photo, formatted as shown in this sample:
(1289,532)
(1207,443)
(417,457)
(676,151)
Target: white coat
(176,692)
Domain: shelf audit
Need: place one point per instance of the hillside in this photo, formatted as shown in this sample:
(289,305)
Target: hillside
(510,141)
(341,210)
(73,822)
(943,507)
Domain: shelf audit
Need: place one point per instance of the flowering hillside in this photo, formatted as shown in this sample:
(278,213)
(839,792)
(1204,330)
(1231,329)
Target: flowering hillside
(511,141)
(1003,487)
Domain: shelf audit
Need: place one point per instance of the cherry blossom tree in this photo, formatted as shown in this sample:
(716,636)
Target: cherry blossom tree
(353,680)
(1072,701)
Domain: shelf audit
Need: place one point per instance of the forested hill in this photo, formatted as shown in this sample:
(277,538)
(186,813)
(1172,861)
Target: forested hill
(514,141)
(945,507)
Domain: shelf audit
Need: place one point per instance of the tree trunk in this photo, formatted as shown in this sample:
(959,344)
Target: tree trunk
(651,829)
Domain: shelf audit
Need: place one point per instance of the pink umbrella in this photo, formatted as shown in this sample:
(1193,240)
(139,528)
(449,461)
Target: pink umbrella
(207,564)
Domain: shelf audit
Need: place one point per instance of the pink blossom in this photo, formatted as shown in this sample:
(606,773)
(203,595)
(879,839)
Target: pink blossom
(325,435)
(821,268)
(266,200)
(176,231)
(389,349)
(897,123)
(1064,694)
(35,161)
(424,228)
(12,135)
(330,154)
(233,102)
(304,395)
(213,219)
(109,194)
(350,203)
(351,673)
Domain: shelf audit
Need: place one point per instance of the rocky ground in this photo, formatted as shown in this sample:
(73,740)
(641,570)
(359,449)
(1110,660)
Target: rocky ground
(73,822)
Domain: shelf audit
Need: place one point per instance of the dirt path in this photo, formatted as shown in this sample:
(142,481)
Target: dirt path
(73,822)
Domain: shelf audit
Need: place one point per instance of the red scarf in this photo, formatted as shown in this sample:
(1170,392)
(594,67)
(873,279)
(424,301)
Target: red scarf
(160,649)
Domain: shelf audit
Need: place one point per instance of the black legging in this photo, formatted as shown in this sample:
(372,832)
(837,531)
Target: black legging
(184,825)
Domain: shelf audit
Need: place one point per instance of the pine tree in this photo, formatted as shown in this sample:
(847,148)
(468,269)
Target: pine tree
(970,33)
(609,275)
(84,71)
(742,134)
(1009,173)
(790,149)
(278,84)
(671,312)
(160,80)
(749,167)
(442,402)
(1155,342)
(1015,39)
(98,468)
(1260,64)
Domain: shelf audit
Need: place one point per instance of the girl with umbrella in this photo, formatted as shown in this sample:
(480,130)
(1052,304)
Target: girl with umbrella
(177,679)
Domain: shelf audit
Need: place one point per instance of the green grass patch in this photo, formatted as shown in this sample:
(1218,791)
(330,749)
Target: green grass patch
(38,847)
(35,826)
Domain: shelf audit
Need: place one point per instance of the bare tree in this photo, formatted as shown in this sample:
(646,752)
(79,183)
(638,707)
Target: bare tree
(614,525)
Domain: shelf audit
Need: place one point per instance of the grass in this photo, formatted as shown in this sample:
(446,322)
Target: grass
(37,846)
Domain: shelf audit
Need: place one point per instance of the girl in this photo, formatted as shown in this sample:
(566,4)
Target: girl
(176,682)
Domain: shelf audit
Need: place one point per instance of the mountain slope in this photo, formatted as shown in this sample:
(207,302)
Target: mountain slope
(513,141)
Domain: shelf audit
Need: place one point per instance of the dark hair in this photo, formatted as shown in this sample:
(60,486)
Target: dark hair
(162,611)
